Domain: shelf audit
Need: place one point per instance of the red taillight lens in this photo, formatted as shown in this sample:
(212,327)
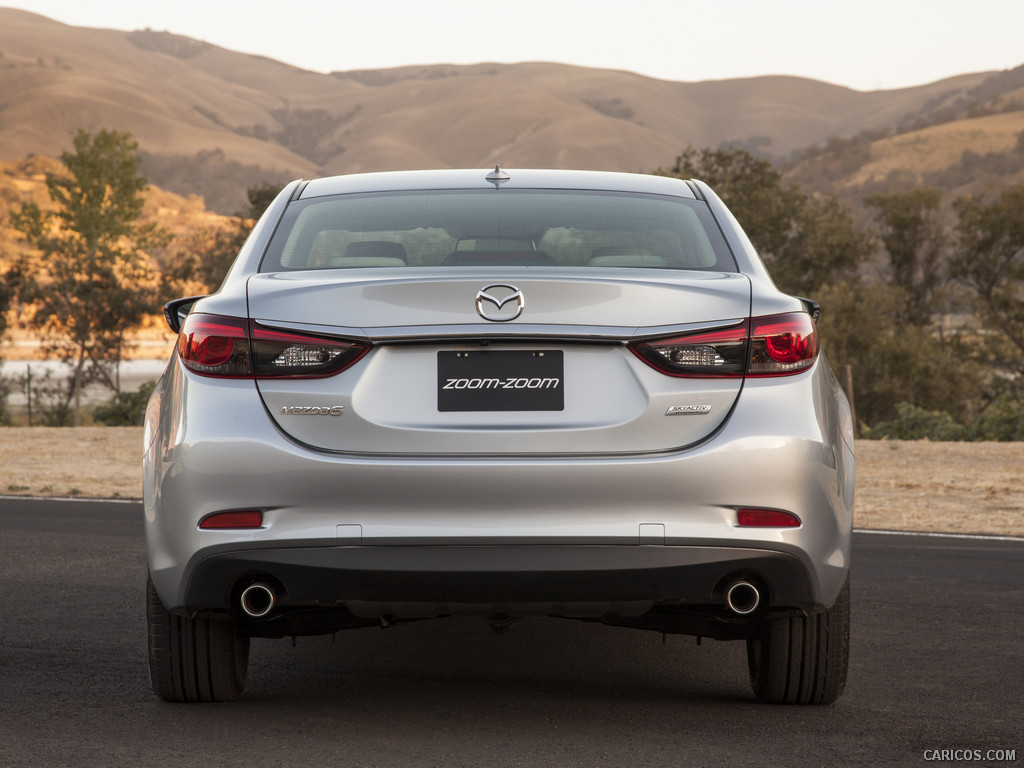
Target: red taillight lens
(720,353)
(283,354)
(215,346)
(782,345)
(779,345)
(766,518)
(237,520)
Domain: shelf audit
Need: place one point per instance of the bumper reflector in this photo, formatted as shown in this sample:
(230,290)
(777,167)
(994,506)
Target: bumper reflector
(239,519)
(766,518)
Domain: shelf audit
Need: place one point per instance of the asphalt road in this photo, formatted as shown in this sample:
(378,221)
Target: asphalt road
(937,664)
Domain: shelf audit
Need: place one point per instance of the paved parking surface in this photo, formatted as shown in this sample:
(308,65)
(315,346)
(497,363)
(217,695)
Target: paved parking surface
(937,660)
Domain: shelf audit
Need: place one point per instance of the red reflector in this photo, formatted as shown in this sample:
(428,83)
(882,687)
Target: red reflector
(250,518)
(767,518)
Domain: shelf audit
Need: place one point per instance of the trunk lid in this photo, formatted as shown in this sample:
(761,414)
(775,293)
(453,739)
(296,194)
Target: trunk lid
(548,374)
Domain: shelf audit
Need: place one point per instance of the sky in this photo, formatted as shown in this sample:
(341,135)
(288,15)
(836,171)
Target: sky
(866,45)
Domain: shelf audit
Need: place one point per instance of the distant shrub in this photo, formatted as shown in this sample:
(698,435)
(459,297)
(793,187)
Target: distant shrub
(915,423)
(5,391)
(1002,421)
(125,409)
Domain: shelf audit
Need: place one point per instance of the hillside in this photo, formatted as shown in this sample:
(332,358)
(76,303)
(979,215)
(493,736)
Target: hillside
(965,142)
(24,181)
(213,121)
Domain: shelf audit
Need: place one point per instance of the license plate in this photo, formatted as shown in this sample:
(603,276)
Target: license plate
(520,380)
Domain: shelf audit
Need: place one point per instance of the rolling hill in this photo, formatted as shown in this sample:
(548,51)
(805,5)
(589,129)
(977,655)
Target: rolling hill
(213,121)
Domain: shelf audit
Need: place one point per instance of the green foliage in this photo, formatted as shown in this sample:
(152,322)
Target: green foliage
(813,247)
(208,254)
(90,280)
(893,361)
(125,409)
(825,246)
(49,398)
(751,186)
(1002,420)
(806,241)
(989,260)
(915,423)
(914,238)
(205,257)
(260,196)
(5,391)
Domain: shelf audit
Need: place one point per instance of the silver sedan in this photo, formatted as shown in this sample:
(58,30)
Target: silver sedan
(511,394)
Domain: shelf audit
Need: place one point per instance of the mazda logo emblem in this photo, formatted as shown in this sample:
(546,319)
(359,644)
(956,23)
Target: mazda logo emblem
(491,301)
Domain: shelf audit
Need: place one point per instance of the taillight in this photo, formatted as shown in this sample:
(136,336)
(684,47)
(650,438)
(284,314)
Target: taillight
(782,344)
(778,345)
(215,346)
(232,347)
(291,355)
(717,353)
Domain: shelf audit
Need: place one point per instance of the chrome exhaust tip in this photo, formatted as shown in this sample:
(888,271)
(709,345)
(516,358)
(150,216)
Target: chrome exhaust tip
(257,600)
(743,598)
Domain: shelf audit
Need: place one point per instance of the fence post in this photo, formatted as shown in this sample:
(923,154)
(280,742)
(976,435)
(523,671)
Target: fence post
(28,390)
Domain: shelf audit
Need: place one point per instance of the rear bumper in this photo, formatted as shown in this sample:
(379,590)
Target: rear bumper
(409,581)
(544,530)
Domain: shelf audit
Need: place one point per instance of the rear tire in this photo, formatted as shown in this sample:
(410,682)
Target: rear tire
(192,660)
(803,659)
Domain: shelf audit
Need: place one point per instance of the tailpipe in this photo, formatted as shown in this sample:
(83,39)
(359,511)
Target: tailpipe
(257,600)
(743,598)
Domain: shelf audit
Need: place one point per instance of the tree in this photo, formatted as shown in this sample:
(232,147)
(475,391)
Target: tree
(813,247)
(989,260)
(208,254)
(825,247)
(5,302)
(914,239)
(203,259)
(807,241)
(89,280)
(260,196)
(895,362)
(752,188)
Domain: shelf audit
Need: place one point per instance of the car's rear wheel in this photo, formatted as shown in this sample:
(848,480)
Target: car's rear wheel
(194,659)
(803,659)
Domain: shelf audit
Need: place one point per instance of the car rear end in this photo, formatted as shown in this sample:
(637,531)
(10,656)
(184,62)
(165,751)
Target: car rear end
(561,394)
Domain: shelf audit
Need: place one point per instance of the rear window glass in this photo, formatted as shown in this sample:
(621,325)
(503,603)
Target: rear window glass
(499,228)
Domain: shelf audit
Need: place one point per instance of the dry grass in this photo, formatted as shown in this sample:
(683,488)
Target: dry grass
(100,462)
(901,485)
(949,487)
(938,147)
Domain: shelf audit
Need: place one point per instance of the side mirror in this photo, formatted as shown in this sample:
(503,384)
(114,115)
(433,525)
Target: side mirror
(176,311)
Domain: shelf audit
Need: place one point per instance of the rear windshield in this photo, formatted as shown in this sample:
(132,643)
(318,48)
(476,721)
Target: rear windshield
(498,228)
